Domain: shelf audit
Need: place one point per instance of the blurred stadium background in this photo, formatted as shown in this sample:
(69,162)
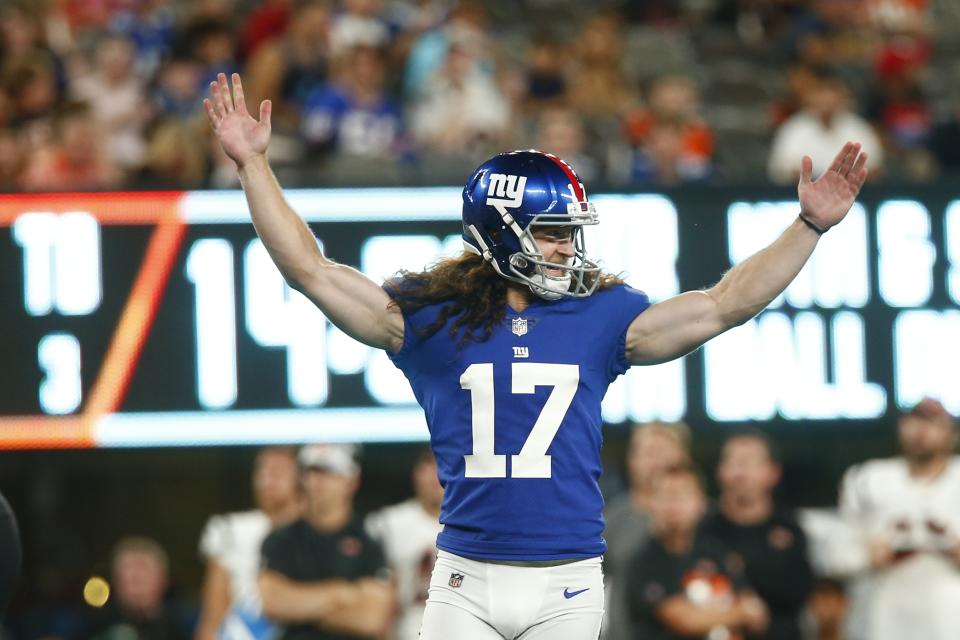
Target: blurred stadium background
(679,113)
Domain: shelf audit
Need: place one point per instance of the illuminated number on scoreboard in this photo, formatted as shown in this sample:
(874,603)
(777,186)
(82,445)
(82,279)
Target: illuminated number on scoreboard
(952,233)
(276,316)
(59,357)
(532,461)
(61,262)
(210,269)
(906,255)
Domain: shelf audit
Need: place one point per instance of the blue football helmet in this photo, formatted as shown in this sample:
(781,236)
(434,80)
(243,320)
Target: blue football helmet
(511,194)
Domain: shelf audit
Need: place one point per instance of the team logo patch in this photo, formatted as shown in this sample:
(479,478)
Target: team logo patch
(519,326)
(456,579)
(505,191)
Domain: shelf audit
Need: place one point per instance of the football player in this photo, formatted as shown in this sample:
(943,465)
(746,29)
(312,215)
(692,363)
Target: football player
(509,349)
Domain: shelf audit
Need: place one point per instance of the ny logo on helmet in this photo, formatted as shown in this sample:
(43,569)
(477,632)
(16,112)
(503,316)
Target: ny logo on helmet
(505,191)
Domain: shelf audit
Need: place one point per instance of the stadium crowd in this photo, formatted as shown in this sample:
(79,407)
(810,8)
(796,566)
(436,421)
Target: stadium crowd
(105,94)
(305,562)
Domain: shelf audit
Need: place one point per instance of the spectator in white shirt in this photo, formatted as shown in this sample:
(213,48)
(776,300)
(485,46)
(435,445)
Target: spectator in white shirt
(824,123)
(906,512)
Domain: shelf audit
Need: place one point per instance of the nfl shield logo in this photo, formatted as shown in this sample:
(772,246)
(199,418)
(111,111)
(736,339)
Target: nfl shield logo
(456,579)
(519,326)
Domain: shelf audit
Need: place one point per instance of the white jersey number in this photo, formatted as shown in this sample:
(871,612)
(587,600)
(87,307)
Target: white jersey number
(532,461)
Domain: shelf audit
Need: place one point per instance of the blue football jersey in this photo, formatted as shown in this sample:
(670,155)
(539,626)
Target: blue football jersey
(515,423)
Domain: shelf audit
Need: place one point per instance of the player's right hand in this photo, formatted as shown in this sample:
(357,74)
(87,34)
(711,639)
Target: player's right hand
(242,137)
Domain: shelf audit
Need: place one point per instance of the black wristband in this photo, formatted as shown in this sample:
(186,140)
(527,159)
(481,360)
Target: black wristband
(807,222)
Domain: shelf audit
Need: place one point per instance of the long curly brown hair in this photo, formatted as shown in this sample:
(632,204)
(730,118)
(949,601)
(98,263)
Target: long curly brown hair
(473,291)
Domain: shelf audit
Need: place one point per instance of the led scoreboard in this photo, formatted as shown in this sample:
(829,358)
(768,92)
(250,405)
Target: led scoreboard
(143,319)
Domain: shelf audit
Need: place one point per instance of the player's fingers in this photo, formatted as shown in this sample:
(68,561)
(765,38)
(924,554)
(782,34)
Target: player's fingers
(850,159)
(211,114)
(266,108)
(806,169)
(859,164)
(838,160)
(238,100)
(225,92)
(216,99)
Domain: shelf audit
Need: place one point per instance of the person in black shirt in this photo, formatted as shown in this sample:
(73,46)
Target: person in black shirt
(683,584)
(768,538)
(322,576)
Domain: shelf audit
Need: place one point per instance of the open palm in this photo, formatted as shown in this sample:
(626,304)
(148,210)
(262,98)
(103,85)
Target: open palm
(241,137)
(826,200)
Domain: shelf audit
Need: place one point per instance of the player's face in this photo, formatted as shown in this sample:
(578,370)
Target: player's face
(275,479)
(923,439)
(556,246)
(678,504)
(746,468)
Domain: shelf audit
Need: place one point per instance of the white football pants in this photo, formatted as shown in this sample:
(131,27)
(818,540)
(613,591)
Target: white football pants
(473,600)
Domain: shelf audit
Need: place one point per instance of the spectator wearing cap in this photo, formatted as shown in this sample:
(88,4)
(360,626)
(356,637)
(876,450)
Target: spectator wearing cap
(322,576)
(766,535)
(906,513)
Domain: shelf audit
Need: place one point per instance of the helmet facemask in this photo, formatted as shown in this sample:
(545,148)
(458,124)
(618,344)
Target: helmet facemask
(577,278)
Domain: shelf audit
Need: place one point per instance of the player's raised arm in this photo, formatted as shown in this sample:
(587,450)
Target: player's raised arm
(676,326)
(349,299)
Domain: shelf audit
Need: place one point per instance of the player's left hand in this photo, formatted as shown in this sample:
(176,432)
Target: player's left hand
(826,200)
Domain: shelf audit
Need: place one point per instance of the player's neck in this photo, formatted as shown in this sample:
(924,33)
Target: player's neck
(746,510)
(518,297)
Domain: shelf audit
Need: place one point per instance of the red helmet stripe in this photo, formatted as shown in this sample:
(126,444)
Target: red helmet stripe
(578,190)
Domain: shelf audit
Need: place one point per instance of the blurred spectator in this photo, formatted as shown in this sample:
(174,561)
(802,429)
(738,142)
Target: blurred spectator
(546,83)
(149,25)
(905,510)
(286,70)
(654,448)
(176,157)
(408,532)
(267,21)
(598,86)
(560,131)
(353,116)
(767,537)
(231,545)
(138,608)
(462,111)
(899,108)
(323,577)
(358,24)
(468,28)
(117,100)
(826,610)
(177,92)
(33,100)
(825,124)
(682,583)
(800,81)
(11,160)
(75,160)
(212,43)
(671,141)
